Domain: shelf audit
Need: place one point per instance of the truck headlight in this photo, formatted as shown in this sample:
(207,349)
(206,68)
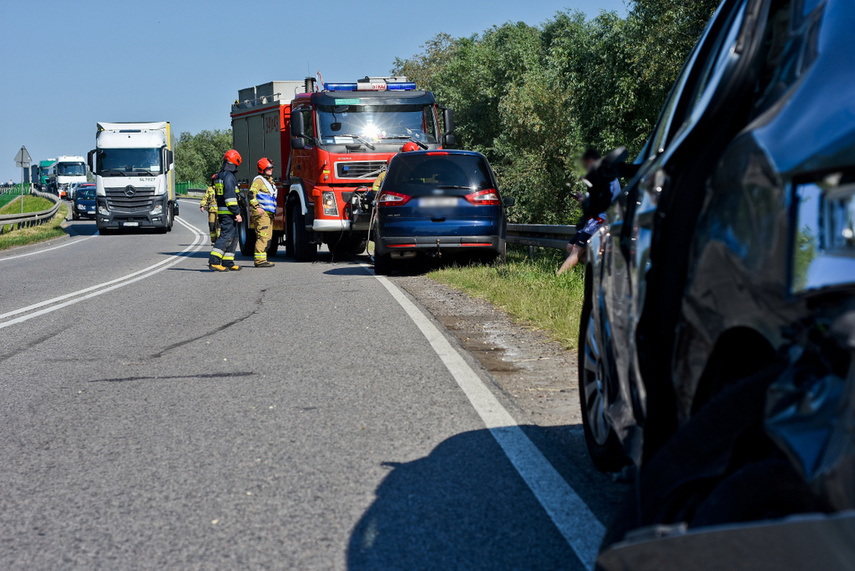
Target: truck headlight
(330,206)
(157,209)
(103,210)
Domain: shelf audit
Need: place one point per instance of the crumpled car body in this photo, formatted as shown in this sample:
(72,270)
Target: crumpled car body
(719,333)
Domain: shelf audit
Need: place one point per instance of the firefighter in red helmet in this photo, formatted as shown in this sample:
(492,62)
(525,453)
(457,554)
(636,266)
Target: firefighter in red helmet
(262,205)
(222,257)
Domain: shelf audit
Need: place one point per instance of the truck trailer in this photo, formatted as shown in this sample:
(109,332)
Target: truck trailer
(134,168)
(329,144)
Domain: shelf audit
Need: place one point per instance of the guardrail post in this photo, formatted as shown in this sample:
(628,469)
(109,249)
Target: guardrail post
(532,252)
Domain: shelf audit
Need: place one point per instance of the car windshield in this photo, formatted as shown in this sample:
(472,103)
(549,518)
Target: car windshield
(347,124)
(128,161)
(70,169)
(86,193)
(421,173)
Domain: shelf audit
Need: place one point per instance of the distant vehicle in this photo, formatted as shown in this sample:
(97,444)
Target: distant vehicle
(434,202)
(72,188)
(134,170)
(64,172)
(717,343)
(84,202)
(43,179)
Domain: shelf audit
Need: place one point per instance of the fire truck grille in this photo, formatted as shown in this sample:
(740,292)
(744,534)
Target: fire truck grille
(359,169)
(130,200)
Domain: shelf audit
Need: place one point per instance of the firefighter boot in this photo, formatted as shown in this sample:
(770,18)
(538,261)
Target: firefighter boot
(265,264)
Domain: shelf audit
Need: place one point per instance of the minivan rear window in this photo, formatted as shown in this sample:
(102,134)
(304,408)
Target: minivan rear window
(418,174)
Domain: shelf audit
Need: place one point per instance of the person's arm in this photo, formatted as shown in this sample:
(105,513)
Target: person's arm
(230,196)
(256,187)
(378,183)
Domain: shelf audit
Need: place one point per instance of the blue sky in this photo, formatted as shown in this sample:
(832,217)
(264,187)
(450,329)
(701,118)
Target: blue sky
(67,64)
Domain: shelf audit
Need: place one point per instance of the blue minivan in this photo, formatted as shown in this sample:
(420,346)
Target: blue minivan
(434,202)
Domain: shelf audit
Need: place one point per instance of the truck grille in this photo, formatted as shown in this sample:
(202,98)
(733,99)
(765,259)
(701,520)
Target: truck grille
(359,169)
(130,198)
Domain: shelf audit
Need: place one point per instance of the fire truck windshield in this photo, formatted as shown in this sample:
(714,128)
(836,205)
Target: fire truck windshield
(376,123)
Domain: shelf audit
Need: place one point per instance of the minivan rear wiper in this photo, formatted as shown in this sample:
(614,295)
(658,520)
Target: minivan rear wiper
(454,186)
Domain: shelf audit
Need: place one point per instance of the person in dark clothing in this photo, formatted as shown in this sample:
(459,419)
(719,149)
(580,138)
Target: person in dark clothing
(222,257)
(594,216)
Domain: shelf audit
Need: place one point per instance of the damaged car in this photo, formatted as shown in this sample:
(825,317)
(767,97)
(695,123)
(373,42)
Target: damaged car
(718,328)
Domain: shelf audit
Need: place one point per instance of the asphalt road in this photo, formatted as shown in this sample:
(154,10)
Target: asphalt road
(157,415)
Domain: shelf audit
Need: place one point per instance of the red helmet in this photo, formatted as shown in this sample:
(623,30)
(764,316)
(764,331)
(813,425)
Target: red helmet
(411,146)
(214,178)
(263,164)
(232,156)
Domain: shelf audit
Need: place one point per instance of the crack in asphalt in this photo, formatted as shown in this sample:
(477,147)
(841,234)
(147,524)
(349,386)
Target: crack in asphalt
(258,303)
(30,345)
(174,377)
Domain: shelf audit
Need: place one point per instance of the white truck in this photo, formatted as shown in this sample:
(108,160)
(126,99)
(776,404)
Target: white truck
(134,168)
(64,172)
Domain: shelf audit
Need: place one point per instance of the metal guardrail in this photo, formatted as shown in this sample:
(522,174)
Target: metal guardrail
(28,219)
(540,235)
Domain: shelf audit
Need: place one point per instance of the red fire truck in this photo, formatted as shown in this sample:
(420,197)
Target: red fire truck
(329,145)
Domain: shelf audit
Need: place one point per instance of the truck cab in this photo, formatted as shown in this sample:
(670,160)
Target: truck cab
(134,169)
(66,171)
(330,145)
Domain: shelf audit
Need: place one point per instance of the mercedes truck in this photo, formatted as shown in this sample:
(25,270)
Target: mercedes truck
(134,168)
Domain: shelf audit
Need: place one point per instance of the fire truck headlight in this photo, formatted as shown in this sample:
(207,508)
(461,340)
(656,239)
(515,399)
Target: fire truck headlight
(330,206)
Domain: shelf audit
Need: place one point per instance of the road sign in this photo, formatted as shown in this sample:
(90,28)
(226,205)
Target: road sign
(23,158)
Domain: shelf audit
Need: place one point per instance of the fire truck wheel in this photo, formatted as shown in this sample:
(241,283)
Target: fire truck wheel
(304,251)
(246,236)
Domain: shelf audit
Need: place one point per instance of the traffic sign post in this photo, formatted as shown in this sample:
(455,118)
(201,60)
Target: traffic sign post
(23,160)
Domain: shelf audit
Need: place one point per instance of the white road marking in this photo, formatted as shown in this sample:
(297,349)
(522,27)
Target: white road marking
(576,522)
(71,243)
(51,305)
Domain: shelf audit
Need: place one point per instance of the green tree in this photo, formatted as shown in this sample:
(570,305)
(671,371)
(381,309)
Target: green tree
(533,98)
(199,156)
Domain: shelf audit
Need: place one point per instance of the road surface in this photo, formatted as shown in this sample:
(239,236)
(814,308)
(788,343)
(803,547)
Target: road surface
(158,415)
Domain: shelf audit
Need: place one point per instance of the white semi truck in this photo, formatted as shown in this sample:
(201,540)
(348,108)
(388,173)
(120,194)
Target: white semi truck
(64,172)
(134,168)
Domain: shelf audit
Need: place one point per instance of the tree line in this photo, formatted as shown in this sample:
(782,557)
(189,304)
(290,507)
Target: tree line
(533,98)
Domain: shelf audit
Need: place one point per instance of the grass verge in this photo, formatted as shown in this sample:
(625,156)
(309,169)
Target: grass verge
(7,198)
(24,236)
(528,290)
(31,204)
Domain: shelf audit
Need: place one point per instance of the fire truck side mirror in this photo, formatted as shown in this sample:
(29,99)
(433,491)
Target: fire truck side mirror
(449,140)
(298,131)
(448,116)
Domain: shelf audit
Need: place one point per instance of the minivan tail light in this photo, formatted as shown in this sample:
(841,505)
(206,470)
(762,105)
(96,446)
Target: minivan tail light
(389,198)
(487,197)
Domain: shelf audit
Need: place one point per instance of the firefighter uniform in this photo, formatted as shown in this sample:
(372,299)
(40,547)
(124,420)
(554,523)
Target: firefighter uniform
(225,189)
(210,204)
(262,194)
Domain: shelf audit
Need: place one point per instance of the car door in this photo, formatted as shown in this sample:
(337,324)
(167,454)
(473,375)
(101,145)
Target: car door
(689,115)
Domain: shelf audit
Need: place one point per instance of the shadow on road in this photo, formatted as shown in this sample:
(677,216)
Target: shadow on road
(80,228)
(464,506)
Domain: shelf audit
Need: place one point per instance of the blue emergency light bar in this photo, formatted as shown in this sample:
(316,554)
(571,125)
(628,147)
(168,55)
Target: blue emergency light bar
(398,86)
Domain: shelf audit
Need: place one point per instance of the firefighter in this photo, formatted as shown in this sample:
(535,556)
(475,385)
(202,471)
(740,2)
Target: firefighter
(262,202)
(411,146)
(209,203)
(228,215)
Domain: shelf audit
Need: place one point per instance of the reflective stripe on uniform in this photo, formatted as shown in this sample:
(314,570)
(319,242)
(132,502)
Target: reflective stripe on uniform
(217,253)
(223,211)
(228,257)
(261,255)
(231,201)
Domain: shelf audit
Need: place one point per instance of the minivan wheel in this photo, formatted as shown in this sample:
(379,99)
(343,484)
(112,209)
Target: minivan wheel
(603,445)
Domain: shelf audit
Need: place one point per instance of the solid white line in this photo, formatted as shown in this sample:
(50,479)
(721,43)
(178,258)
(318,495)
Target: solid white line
(198,242)
(71,243)
(576,522)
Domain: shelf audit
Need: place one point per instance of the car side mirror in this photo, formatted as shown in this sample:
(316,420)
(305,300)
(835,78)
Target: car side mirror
(509,201)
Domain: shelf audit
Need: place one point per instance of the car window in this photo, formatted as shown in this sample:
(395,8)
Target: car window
(414,174)
(691,85)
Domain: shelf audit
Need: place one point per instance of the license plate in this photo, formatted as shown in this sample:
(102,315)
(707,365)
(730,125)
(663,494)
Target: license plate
(130,224)
(91,212)
(438,201)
